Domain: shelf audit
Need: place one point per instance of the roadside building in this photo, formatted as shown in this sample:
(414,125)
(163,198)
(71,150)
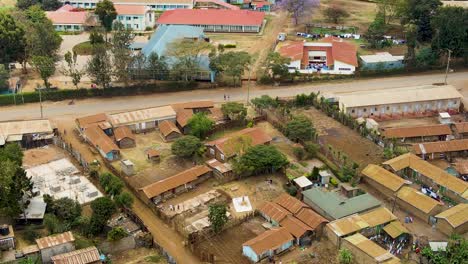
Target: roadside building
(135,17)
(329,55)
(411,166)
(340,228)
(124,137)
(332,205)
(7,237)
(155,5)
(222,150)
(382,180)
(144,119)
(101,120)
(169,131)
(89,255)
(453,220)
(381,61)
(267,244)
(394,102)
(418,204)
(55,245)
(366,251)
(181,182)
(28,133)
(418,133)
(102,143)
(273,213)
(301,232)
(442,149)
(215,20)
(67,18)
(185,111)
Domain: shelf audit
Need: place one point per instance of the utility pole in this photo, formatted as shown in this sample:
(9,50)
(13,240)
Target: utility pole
(40,102)
(248,86)
(448,64)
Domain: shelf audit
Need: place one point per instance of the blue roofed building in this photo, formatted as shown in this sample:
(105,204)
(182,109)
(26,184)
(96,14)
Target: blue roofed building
(165,35)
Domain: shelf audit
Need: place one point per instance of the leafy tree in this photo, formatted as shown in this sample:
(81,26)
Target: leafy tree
(231,64)
(121,50)
(99,66)
(296,8)
(12,39)
(259,159)
(299,153)
(217,216)
(345,256)
(335,13)
(277,66)
(187,54)
(116,233)
(376,31)
(264,101)
(95,37)
(4,76)
(426,57)
(105,10)
(450,26)
(186,147)
(311,149)
(234,110)
(314,175)
(54,225)
(410,30)
(45,66)
(103,208)
(300,129)
(72,71)
(456,252)
(51,5)
(420,12)
(13,153)
(112,184)
(157,65)
(291,190)
(25,4)
(124,199)
(200,124)
(65,209)
(389,9)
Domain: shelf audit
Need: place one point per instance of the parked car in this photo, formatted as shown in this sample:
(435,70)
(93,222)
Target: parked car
(282,36)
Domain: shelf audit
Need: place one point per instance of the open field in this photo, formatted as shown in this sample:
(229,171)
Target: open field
(138,256)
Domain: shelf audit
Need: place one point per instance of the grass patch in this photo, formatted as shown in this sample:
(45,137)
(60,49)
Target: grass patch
(84,48)
(82,242)
(154,258)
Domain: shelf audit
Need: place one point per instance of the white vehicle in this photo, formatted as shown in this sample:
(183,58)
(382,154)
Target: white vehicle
(282,36)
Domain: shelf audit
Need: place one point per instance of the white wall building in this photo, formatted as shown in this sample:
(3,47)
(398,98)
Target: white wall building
(159,5)
(135,17)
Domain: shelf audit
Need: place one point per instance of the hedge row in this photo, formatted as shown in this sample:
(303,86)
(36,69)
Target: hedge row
(59,95)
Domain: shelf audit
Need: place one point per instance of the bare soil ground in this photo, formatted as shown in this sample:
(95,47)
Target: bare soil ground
(138,256)
(322,251)
(342,138)
(38,156)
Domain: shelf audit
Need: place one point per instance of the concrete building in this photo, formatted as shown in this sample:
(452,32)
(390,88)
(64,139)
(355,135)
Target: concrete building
(418,133)
(7,237)
(381,61)
(67,18)
(169,131)
(55,245)
(221,150)
(453,220)
(366,251)
(411,166)
(442,149)
(124,137)
(329,55)
(144,119)
(215,20)
(267,244)
(382,180)
(156,5)
(418,204)
(89,255)
(429,99)
(135,17)
(181,182)
(332,205)
(29,133)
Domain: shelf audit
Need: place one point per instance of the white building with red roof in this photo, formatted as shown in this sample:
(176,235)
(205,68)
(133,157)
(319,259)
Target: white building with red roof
(159,5)
(135,17)
(329,55)
(215,20)
(69,18)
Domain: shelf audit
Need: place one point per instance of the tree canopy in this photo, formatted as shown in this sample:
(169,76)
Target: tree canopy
(234,110)
(217,216)
(200,124)
(112,184)
(420,12)
(232,63)
(335,13)
(124,199)
(106,12)
(260,158)
(187,55)
(264,101)
(300,129)
(186,146)
(121,41)
(45,66)
(450,26)
(99,66)
(12,39)
(277,65)
(103,208)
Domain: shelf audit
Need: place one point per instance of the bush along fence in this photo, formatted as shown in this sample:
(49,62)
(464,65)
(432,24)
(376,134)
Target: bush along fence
(68,94)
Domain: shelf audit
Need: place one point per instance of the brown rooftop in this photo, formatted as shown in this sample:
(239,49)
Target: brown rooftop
(257,135)
(295,226)
(174,181)
(461,166)
(462,127)
(378,217)
(310,218)
(290,203)
(417,131)
(270,239)
(153,153)
(55,240)
(274,211)
(100,119)
(99,139)
(384,177)
(440,146)
(183,116)
(167,127)
(81,256)
(455,216)
(123,132)
(417,199)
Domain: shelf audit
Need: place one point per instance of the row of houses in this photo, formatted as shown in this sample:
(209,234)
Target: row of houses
(27,133)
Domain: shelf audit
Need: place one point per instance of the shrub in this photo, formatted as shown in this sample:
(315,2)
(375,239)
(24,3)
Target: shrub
(333,182)
(186,147)
(112,184)
(30,233)
(299,153)
(124,199)
(84,48)
(311,149)
(292,190)
(116,233)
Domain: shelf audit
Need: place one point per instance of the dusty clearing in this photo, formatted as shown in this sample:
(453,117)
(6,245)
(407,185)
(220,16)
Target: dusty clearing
(138,256)
(38,156)
(342,138)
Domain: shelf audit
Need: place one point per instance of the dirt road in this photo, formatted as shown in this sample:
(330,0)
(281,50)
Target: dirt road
(92,106)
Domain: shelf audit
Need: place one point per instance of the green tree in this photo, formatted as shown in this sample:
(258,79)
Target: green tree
(4,76)
(45,66)
(99,66)
(112,184)
(420,12)
(122,38)
(103,209)
(157,66)
(258,159)
(187,55)
(426,57)
(299,152)
(96,37)
(300,129)
(200,124)
(105,10)
(30,233)
(72,70)
(311,149)
(410,31)
(12,39)
(234,110)
(345,256)
(186,147)
(277,65)
(116,233)
(314,175)
(217,216)
(25,4)
(450,26)
(54,225)
(335,13)
(264,101)
(376,31)
(124,199)
(65,209)
(51,5)
(231,64)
